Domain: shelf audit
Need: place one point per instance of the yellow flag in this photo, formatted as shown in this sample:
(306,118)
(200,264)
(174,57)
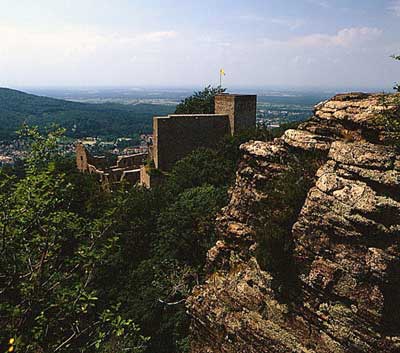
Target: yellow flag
(222,72)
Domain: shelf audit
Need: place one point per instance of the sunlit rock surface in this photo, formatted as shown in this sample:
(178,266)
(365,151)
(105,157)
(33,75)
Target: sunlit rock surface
(346,245)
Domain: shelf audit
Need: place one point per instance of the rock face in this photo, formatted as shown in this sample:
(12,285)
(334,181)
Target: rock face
(346,245)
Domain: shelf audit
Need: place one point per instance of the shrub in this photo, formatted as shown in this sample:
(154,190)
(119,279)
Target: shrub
(201,102)
(390,119)
(397,86)
(279,211)
(202,166)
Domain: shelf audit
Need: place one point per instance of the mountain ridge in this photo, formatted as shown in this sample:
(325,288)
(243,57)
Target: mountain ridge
(79,119)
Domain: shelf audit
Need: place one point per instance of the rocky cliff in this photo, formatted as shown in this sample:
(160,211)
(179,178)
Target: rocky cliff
(344,295)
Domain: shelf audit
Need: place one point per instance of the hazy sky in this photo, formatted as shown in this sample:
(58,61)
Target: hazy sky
(329,43)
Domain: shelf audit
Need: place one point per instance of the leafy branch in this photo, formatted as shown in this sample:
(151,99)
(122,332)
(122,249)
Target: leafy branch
(397,86)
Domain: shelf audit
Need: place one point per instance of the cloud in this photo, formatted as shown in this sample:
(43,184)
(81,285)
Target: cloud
(321,3)
(395,7)
(82,55)
(157,36)
(344,38)
(251,18)
(88,55)
(67,42)
(291,23)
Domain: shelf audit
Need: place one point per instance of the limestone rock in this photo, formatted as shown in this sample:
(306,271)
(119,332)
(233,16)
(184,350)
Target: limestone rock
(306,140)
(346,245)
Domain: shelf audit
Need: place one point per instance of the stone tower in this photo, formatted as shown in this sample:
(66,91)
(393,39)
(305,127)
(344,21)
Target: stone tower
(82,159)
(240,108)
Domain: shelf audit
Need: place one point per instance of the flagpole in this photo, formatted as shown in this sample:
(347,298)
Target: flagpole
(221,73)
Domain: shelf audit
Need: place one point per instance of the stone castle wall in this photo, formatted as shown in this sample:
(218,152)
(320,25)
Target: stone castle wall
(176,136)
(84,159)
(241,110)
(134,160)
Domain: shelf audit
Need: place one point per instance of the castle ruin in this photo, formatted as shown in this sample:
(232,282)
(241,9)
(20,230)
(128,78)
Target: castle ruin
(127,168)
(174,137)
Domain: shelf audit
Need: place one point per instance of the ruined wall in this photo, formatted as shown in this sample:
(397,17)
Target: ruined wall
(344,293)
(131,176)
(145,179)
(81,157)
(84,159)
(150,179)
(133,161)
(126,170)
(241,110)
(175,136)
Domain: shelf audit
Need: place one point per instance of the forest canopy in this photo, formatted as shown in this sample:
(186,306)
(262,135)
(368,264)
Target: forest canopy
(79,119)
(84,271)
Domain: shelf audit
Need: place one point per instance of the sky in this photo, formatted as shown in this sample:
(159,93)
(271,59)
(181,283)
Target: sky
(182,43)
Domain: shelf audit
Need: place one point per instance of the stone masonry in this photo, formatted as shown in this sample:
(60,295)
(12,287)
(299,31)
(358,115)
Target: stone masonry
(241,110)
(127,168)
(174,137)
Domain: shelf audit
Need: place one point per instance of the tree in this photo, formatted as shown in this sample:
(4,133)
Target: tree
(397,86)
(201,102)
(390,115)
(43,148)
(186,227)
(202,166)
(275,215)
(82,270)
(50,252)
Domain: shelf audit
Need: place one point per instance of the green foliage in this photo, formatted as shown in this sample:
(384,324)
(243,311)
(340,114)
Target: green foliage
(49,258)
(201,102)
(164,237)
(216,167)
(186,227)
(165,234)
(125,335)
(86,271)
(43,148)
(203,166)
(397,86)
(390,119)
(276,214)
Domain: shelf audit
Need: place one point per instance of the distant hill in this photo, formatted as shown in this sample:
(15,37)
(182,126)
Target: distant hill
(80,119)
